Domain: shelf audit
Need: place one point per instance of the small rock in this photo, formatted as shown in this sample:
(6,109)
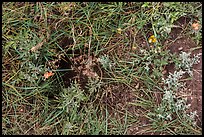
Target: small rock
(180,48)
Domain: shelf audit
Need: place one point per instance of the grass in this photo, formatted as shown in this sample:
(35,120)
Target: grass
(35,35)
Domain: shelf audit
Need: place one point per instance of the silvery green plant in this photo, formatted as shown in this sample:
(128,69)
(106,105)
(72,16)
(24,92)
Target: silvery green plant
(187,62)
(72,97)
(34,72)
(106,62)
(170,104)
(192,117)
(172,80)
(93,85)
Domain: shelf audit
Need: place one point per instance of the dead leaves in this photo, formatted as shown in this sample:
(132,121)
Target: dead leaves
(89,73)
(89,68)
(85,65)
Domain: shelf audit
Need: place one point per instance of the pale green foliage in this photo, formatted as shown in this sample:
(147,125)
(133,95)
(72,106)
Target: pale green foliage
(71,97)
(173,80)
(171,104)
(187,62)
(106,62)
(94,85)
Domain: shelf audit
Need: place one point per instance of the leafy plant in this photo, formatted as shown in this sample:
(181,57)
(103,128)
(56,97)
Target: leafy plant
(71,98)
(186,62)
(171,107)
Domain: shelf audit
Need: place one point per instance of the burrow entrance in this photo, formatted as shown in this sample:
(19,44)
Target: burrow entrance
(77,65)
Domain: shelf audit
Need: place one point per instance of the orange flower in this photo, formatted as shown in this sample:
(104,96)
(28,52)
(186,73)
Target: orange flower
(48,74)
(195,26)
(152,39)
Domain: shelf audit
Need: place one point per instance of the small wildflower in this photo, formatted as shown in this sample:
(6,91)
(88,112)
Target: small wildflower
(119,30)
(195,26)
(152,39)
(48,74)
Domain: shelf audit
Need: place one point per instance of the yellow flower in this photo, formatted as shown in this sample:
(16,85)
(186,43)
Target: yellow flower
(152,39)
(119,30)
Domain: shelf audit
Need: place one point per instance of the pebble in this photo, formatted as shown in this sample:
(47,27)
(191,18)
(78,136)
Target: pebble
(180,48)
